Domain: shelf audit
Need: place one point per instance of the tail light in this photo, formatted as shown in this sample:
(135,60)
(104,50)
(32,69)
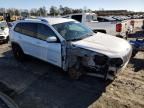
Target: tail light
(118,27)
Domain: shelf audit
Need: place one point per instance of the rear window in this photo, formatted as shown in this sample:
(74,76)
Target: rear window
(29,29)
(36,30)
(91,18)
(77,17)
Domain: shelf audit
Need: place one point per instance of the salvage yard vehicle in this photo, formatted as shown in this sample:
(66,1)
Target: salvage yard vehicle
(71,46)
(4,31)
(138,45)
(100,24)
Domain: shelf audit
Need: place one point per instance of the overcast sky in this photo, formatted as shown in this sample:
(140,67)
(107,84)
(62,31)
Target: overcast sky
(133,5)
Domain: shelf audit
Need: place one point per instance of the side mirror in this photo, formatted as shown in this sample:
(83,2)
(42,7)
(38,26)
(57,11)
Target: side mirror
(52,39)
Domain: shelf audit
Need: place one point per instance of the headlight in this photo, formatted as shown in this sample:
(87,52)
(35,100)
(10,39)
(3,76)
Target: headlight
(116,62)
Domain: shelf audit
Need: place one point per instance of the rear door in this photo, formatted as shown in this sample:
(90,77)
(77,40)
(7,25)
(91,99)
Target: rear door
(27,39)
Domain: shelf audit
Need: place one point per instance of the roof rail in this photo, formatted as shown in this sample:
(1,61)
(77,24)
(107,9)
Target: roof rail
(36,18)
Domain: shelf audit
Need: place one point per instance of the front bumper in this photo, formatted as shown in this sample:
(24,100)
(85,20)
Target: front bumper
(3,38)
(108,71)
(114,70)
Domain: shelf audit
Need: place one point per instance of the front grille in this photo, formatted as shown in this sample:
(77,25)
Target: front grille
(1,37)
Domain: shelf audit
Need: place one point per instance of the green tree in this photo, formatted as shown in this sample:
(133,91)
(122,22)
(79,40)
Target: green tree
(54,11)
(42,11)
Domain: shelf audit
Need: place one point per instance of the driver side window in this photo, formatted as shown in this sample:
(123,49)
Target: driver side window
(43,32)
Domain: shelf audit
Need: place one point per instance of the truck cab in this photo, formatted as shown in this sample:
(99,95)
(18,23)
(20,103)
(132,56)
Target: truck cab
(101,24)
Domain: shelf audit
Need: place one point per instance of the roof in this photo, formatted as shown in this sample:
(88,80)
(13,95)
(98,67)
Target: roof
(51,20)
(57,20)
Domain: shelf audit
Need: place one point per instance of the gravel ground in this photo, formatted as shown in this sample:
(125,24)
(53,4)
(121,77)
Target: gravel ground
(36,84)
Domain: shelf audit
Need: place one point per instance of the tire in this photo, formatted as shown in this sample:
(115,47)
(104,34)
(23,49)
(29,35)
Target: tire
(18,52)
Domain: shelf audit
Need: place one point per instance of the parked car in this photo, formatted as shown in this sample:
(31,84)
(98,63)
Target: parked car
(101,24)
(4,31)
(138,45)
(71,46)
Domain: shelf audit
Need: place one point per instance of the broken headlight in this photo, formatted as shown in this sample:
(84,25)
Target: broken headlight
(100,59)
(116,62)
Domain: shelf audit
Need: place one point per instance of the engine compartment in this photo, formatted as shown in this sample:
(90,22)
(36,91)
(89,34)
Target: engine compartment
(84,61)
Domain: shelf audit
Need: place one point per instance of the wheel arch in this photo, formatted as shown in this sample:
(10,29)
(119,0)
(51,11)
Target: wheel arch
(16,44)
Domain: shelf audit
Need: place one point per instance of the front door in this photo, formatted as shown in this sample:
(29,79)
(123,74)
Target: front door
(50,51)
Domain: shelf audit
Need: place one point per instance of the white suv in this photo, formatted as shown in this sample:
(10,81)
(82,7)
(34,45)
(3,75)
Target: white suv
(71,46)
(4,31)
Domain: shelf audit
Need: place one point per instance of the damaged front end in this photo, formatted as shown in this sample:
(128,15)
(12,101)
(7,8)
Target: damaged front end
(81,61)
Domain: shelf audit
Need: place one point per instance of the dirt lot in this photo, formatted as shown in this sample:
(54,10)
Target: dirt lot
(36,84)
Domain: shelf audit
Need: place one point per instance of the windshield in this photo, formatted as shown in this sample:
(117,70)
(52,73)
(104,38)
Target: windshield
(73,30)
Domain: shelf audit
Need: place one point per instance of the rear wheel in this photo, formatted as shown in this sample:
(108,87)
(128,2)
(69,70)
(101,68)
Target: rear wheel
(18,52)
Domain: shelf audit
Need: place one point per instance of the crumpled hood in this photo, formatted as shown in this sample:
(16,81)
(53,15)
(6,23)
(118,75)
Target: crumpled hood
(105,44)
